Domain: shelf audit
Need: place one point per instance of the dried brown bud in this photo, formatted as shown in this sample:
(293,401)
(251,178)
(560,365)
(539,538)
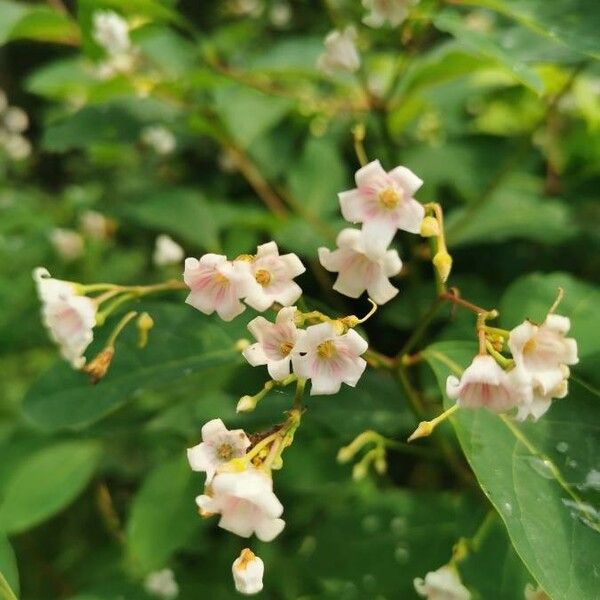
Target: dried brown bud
(99,366)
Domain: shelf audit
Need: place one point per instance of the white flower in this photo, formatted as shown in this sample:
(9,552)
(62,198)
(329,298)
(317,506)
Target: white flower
(16,146)
(246,503)
(119,63)
(69,317)
(167,251)
(275,343)
(159,138)
(484,384)
(216,284)
(394,11)
(340,52)
(68,243)
(219,445)
(360,270)
(273,278)
(15,119)
(383,203)
(329,358)
(542,352)
(532,593)
(536,401)
(248,570)
(162,584)
(111,32)
(280,14)
(443,584)
(94,224)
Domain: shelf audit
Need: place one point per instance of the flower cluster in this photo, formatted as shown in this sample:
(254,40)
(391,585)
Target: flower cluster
(219,285)
(111,33)
(537,373)
(383,203)
(13,122)
(239,488)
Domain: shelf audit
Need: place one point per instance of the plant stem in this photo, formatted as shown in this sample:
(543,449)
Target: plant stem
(421,327)
(119,327)
(6,590)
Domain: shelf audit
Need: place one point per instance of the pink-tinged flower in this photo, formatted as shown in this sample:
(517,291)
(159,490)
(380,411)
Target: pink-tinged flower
(360,270)
(484,384)
(275,343)
(542,350)
(68,243)
(219,445)
(246,503)
(248,570)
(273,278)
(166,251)
(216,284)
(340,52)
(443,584)
(329,358)
(383,203)
(394,11)
(69,317)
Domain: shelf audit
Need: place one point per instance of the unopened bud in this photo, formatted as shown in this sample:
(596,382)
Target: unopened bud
(99,366)
(442,261)
(423,430)
(246,404)
(430,227)
(240,346)
(359,471)
(345,454)
(144,324)
(380,465)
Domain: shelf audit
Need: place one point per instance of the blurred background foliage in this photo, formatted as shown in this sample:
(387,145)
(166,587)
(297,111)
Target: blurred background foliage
(494,103)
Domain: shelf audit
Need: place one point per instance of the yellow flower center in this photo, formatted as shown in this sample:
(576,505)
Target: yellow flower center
(245,257)
(286,348)
(326,349)
(529,346)
(262,276)
(220,278)
(225,451)
(390,198)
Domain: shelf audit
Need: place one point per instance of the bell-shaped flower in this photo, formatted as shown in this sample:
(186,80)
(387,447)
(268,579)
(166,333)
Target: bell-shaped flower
(216,284)
(380,11)
(68,316)
(111,32)
(383,203)
(219,445)
(541,351)
(273,276)
(340,52)
(167,251)
(248,570)
(246,503)
(329,358)
(484,384)
(275,343)
(359,270)
(537,399)
(443,584)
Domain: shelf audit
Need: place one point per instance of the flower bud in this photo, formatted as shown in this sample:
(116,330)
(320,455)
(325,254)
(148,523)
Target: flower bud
(380,465)
(241,345)
(345,454)
(144,324)
(430,227)
(246,404)
(248,570)
(359,471)
(442,261)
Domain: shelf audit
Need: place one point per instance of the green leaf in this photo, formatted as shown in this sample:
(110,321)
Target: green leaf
(537,475)
(46,483)
(510,212)
(162,516)
(44,24)
(183,342)
(574,23)
(318,176)
(12,13)
(8,565)
(182,212)
(452,22)
(248,113)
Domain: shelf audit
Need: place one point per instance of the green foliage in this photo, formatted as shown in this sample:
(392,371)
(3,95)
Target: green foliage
(493,103)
